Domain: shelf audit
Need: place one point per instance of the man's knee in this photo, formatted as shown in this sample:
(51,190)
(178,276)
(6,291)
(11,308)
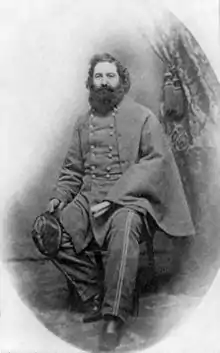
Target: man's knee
(125,224)
(126,218)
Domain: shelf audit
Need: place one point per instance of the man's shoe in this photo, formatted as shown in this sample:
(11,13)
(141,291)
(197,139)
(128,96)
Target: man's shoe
(92,309)
(111,334)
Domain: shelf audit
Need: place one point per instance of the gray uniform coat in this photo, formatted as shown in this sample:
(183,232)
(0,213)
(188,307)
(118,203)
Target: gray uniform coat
(149,180)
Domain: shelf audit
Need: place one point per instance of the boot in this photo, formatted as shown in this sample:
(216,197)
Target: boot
(111,333)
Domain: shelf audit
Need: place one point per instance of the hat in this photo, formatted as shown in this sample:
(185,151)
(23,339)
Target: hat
(47,233)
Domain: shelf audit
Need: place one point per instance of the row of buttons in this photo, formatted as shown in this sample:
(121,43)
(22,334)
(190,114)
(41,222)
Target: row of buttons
(94,176)
(110,156)
(107,168)
(92,126)
(110,147)
(110,133)
(107,175)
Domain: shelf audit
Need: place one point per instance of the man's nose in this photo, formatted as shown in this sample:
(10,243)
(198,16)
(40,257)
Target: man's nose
(104,80)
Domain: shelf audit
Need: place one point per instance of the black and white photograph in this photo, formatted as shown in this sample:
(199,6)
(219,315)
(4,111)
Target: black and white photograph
(110,220)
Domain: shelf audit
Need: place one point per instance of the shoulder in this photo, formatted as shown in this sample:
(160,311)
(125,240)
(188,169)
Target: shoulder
(143,117)
(135,111)
(81,121)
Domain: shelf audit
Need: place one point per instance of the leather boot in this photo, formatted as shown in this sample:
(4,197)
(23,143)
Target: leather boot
(111,333)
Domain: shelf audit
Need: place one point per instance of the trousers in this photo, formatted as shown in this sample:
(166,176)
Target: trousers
(115,276)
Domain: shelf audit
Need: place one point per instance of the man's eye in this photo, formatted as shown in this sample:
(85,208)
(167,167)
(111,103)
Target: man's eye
(111,75)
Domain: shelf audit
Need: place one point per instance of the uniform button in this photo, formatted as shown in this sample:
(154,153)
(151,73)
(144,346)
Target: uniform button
(93,176)
(93,167)
(92,147)
(110,148)
(109,155)
(91,126)
(108,176)
(108,169)
(111,133)
(111,125)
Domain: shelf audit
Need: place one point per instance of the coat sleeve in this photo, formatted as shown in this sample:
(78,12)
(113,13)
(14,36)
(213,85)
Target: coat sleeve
(71,175)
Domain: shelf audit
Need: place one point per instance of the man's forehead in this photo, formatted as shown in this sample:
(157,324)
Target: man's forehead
(105,66)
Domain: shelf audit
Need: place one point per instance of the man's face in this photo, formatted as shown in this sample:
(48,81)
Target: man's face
(105,74)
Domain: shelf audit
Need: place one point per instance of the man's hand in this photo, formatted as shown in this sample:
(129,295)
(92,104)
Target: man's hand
(55,205)
(100,208)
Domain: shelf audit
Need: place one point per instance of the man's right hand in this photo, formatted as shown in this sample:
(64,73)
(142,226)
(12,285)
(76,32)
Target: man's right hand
(55,205)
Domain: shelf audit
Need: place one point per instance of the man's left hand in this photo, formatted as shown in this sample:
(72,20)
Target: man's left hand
(100,208)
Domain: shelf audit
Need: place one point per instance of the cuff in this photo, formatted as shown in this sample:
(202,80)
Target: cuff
(63,196)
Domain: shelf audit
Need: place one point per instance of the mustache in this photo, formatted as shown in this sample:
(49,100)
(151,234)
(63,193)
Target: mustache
(104,88)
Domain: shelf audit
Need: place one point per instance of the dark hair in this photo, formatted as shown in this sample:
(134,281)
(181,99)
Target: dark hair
(122,71)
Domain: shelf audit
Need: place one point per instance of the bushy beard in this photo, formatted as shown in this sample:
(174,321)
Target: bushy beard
(105,98)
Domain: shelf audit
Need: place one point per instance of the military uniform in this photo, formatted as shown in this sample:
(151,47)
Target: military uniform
(123,158)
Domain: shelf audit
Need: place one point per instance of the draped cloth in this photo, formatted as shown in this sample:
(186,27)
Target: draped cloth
(189,113)
(190,109)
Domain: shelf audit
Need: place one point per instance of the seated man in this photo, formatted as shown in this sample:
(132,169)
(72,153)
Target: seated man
(119,170)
